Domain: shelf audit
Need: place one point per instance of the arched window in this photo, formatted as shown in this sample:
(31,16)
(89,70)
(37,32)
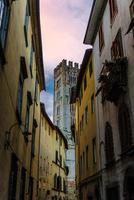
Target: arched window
(124,128)
(109,146)
(59,183)
(55,181)
(129,184)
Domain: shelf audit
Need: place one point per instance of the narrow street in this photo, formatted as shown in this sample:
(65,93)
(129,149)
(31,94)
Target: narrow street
(67,100)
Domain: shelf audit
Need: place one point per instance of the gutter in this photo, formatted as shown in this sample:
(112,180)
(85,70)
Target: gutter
(94,21)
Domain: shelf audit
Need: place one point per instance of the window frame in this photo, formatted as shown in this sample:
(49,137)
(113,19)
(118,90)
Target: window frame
(92,104)
(90,68)
(101,38)
(113,10)
(26,23)
(94,146)
(5,16)
(117,46)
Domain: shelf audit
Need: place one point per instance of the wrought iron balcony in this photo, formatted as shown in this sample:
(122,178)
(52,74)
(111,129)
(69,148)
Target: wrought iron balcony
(113,80)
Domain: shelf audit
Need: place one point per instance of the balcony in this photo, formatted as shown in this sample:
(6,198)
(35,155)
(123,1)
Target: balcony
(113,80)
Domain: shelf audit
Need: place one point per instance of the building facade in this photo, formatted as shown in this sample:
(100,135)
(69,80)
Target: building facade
(65,77)
(21,80)
(87,156)
(110,31)
(53,171)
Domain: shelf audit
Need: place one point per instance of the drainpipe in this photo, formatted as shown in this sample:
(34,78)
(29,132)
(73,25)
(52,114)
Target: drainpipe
(99,146)
(38,174)
(59,167)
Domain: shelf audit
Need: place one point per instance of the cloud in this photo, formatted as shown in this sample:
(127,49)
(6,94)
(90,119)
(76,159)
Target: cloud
(47,99)
(63,26)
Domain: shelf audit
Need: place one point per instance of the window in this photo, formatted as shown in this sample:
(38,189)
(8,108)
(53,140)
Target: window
(80,126)
(132,9)
(112,193)
(109,146)
(64,185)
(81,167)
(4,20)
(58,94)
(94,151)
(31,61)
(56,136)
(33,136)
(33,45)
(58,110)
(31,188)
(29,103)
(56,157)
(26,22)
(125,128)
(60,160)
(82,123)
(87,157)
(22,76)
(58,123)
(13,178)
(90,68)
(132,15)
(101,38)
(36,94)
(92,104)
(22,184)
(59,83)
(20,96)
(85,82)
(83,162)
(117,47)
(113,9)
(86,114)
(59,183)
(55,181)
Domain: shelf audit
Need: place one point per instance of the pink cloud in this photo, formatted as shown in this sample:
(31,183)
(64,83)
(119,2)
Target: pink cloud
(63,25)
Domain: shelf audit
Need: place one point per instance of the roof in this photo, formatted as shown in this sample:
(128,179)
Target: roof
(94,21)
(87,55)
(35,13)
(52,125)
(43,110)
(62,135)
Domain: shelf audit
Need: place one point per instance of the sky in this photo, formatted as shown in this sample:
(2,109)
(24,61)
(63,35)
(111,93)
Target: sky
(63,27)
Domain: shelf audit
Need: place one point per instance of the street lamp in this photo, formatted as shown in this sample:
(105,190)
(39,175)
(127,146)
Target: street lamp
(8,134)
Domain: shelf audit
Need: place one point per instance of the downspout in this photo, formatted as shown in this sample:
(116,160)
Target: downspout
(99,146)
(38,173)
(31,144)
(59,168)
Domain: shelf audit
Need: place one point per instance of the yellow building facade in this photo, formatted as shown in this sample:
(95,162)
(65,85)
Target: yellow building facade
(87,159)
(21,80)
(53,170)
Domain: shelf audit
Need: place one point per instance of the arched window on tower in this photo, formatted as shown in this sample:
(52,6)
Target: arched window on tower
(124,128)
(109,145)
